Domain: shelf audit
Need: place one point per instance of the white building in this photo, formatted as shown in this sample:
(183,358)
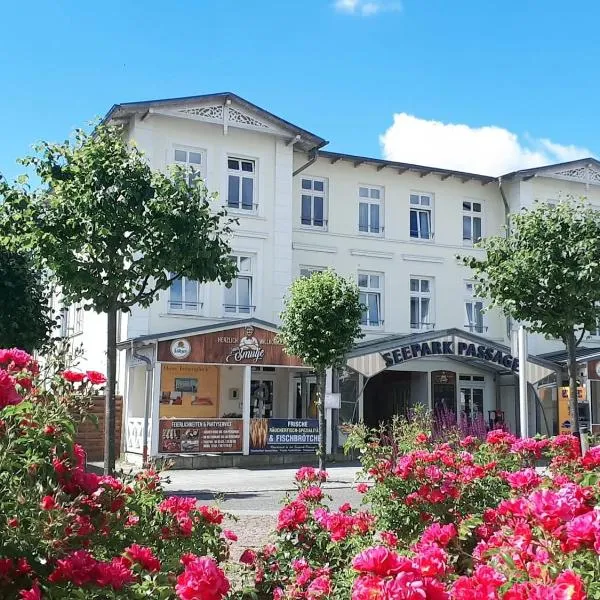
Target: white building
(394,227)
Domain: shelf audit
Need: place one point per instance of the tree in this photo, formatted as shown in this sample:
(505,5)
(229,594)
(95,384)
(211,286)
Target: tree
(546,273)
(320,322)
(113,232)
(24,303)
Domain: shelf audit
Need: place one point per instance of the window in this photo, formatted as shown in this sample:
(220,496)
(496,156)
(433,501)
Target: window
(471,221)
(370,209)
(471,397)
(595,333)
(241,183)
(71,320)
(421,206)
(370,286)
(238,296)
(314,203)
(308,271)
(184,295)
(473,309)
(421,309)
(192,161)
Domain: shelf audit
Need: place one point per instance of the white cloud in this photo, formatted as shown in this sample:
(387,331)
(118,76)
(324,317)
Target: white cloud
(366,8)
(488,150)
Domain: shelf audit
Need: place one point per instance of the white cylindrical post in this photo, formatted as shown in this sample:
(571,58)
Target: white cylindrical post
(523,405)
(247,382)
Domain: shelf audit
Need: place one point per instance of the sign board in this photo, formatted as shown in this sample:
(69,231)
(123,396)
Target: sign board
(196,436)
(247,345)
(564,412)
(333,400)
(488,353)
(293,436)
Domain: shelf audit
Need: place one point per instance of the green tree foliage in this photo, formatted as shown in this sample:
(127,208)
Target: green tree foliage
(319,324)
(546,273)
(114,232)
(25,320)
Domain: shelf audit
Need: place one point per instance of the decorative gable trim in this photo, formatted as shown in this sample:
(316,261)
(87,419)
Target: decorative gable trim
(585,174)
(225,115)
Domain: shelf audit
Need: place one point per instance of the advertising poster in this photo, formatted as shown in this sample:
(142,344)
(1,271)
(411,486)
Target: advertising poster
(564,414)
(294,436)
(189,391)
(200,435)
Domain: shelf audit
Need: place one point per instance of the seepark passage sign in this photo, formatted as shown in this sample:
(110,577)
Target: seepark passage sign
(486,352)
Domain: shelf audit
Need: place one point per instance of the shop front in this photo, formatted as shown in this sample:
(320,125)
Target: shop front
(457,375)
(215,391)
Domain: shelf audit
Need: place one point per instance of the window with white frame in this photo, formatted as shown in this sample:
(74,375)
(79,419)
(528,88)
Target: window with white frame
(306,271)
(473,310)
(184,295)
(192,160)
(241,183)
(472,221)
(421,212)
(595,333)
(370,209)
(421,303)
(238,296)
(370,286)
(313,202)
(71,320)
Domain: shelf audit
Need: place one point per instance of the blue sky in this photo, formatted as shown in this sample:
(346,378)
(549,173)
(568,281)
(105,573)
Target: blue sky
(483,86)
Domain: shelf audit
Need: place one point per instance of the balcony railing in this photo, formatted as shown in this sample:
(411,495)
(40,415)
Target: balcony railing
(244,309)
(422,326)
(134,434)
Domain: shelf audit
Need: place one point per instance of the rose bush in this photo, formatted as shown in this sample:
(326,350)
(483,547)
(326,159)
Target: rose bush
(466,520)
(69,533)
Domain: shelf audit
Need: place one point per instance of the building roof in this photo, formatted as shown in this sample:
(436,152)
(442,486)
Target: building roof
(582,353)
(529,173)
(402,167)
(201,329)
(306,141)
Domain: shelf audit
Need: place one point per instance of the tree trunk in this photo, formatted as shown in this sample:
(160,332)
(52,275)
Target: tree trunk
(109,402)
(322,451)
(572,365)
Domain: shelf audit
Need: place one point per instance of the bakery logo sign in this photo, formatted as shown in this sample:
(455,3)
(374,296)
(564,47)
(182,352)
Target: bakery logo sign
(180,349)
(248,348)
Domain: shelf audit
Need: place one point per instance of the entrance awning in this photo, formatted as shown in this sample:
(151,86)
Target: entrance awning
(374,356)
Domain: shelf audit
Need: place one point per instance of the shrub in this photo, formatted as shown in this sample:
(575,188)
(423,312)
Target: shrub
(68,533)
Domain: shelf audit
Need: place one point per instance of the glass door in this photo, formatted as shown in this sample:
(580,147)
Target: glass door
(306,397)
(471,403)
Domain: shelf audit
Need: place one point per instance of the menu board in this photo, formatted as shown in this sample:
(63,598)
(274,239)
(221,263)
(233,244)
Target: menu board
(270,436)
(200,435)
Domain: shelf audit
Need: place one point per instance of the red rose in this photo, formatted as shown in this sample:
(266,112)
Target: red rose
(48,503)
(229,535)
(33,593)
(202,579)
(13,522)
(248,557)
(95,377)
(73,376)
(49,430)
(142,556)
(8,391)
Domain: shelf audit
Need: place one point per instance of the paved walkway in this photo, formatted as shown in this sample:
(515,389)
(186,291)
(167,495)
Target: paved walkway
(257,491)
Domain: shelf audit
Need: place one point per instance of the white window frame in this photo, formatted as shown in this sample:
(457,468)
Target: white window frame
(308,270)
(237,309)
(469,212)
(191,168)
(421,206)
(71,320)
(185,309)
(594,334)
(323,194)
(471,298)
(376,291)
(241,174)
(421,325)
(369,200)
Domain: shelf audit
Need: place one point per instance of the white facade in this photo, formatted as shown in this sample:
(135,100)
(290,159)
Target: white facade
(396,228)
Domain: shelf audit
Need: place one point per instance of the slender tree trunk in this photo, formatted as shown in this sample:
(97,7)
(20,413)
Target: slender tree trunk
(322,451)
(572,365)
(109,402)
